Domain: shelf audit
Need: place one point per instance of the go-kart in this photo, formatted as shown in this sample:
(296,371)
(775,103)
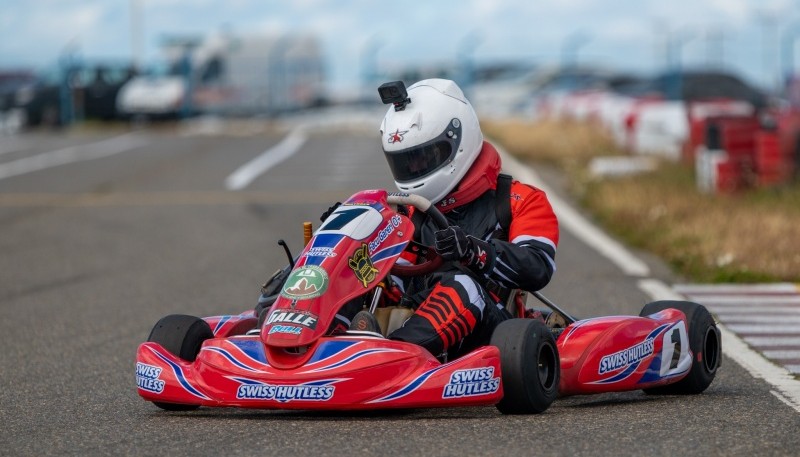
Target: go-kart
(284,356)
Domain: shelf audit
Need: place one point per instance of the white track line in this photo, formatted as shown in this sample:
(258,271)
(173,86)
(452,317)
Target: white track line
(741,300)
(750,309)
(765,329)
(577,224)
(248,172)
(750,318)
(71,154)
(750,289)
(773,341)
(783,355)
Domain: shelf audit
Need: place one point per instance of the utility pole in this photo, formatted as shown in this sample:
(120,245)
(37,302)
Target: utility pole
(137,29)
(788,48)
(369,60)
(569,54)
(715,47)
(466,51)
(769,43)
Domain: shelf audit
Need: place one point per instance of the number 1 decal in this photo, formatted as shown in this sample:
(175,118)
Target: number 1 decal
(676,351)
(676,357)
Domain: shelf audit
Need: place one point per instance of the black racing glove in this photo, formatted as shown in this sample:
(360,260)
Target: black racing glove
(453,244)
(330,211)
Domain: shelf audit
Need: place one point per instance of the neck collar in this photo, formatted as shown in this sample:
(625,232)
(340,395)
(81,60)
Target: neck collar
(482,176)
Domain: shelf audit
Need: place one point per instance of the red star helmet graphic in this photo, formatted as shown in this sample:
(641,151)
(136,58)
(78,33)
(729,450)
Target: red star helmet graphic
(397,136)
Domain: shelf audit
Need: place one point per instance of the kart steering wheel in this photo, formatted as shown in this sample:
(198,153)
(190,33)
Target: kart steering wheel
(432,260)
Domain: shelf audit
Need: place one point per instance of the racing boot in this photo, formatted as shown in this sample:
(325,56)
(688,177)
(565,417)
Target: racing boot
(365,321)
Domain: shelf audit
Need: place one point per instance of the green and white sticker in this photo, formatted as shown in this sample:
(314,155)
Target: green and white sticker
(306,282)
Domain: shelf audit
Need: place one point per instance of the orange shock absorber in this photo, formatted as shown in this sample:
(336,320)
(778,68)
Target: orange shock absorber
(306,233)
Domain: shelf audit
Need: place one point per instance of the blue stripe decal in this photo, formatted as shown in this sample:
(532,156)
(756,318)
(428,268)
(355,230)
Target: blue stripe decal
(181,377)
(388,252)
(323,382)
(658,330)
(230,357)
(323,240)
(252,382)
(251,348)
(653,372)
(327,240)
(330,349)
(414,385)
(632,368)
(355,356)
(222,321)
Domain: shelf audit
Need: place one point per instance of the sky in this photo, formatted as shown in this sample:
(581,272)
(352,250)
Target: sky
(744,36)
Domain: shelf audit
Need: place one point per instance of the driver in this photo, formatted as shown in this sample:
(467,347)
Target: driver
(435,149)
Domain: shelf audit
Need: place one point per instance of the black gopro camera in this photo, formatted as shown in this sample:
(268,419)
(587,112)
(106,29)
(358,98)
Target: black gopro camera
(395,93)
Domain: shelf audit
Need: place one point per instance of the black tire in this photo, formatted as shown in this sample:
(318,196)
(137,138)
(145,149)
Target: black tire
(705,343)
(182,336)
(530,366)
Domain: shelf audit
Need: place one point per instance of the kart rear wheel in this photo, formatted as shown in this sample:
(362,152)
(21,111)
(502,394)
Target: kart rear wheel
(705,343)
(530,366)
(182,336)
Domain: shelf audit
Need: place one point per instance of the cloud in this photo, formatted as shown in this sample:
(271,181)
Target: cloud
(38,35)
(414,31)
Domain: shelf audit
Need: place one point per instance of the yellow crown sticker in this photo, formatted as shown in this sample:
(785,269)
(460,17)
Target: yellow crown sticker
(362,265)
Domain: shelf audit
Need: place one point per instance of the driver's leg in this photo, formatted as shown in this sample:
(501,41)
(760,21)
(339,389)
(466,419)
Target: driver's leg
(451,311)
(341,322)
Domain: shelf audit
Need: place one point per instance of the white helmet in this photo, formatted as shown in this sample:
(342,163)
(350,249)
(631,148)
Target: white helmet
(432,142)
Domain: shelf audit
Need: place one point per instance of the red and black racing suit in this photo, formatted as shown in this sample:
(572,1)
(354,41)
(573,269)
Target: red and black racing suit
(455,312)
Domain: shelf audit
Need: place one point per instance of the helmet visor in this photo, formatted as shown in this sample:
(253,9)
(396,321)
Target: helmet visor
(419,161)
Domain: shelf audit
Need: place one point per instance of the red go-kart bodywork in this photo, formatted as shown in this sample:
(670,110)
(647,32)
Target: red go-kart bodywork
(292,362)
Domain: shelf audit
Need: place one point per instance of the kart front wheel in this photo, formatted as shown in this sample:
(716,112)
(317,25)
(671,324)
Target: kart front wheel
(530,366)
(705,343)
(182,336)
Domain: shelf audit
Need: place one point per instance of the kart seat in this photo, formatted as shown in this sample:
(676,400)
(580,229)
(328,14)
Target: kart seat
(391,318)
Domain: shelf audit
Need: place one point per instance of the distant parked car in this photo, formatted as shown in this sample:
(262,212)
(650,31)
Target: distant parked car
(92,91)
(10,83)
(100,86)
(158,92)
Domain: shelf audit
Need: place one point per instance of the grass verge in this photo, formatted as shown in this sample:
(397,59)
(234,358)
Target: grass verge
(746,237)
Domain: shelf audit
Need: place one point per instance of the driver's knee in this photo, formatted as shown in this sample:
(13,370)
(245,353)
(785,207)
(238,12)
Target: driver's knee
(447,316)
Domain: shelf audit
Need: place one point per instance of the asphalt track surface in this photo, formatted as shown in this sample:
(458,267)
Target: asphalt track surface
(94,252)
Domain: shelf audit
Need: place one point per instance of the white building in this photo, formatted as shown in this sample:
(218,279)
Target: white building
(226,74)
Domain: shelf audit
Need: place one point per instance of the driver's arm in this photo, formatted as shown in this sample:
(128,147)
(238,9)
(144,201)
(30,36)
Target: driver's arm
(527,260)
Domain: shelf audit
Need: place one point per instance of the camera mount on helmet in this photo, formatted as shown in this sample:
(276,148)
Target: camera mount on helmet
(395,93)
